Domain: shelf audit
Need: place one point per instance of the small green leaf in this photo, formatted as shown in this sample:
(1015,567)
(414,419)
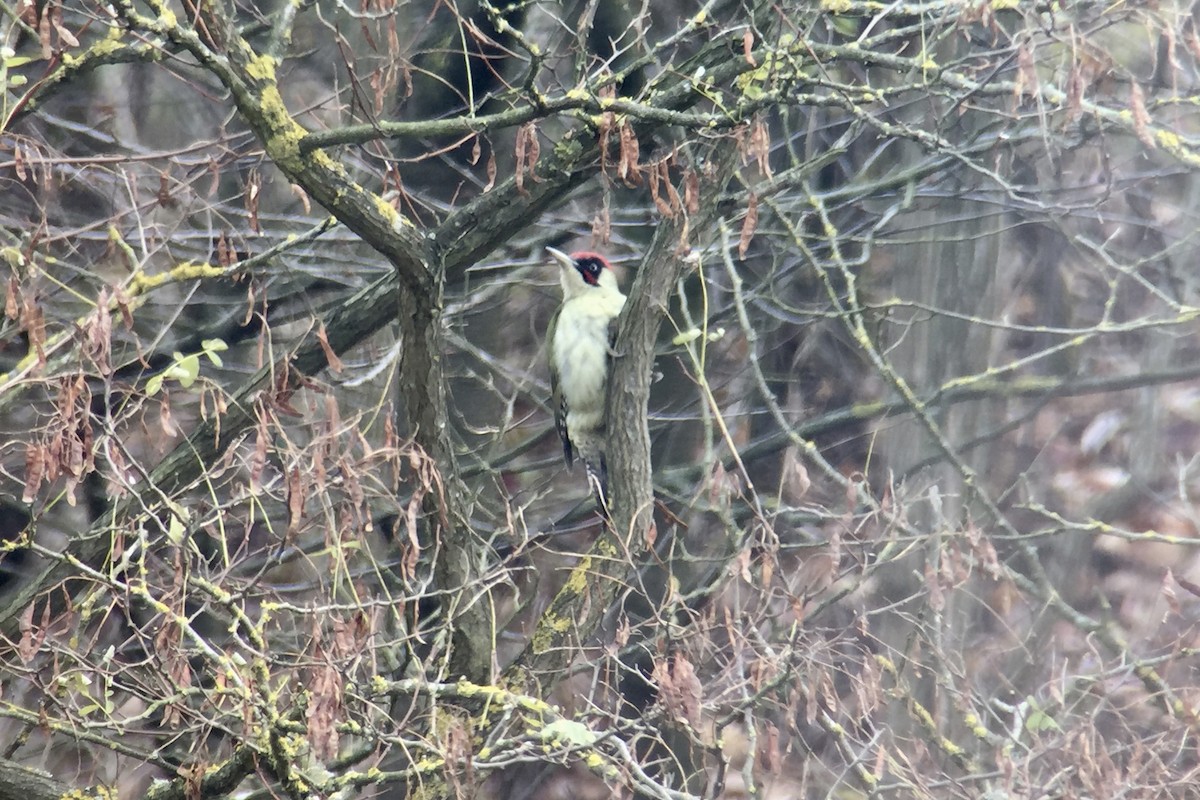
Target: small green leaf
(1041,721)
(176,531)
(212,347)
(187,370)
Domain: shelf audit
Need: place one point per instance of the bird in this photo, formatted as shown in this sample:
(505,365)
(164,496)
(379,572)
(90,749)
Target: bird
(580,344)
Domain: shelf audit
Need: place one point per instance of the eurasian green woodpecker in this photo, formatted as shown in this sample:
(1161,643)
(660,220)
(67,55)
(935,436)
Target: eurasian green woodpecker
(580,339)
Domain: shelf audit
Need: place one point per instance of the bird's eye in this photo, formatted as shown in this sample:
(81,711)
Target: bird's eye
(590,268)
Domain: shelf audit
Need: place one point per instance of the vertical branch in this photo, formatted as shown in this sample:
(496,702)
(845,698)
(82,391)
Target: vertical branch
(628,453)
(422,388)
(576,612)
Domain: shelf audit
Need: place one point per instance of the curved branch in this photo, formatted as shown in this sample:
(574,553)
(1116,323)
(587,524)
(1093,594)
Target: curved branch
(103,53)
(575,100)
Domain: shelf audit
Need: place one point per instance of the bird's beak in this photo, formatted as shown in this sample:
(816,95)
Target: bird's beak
(562,258)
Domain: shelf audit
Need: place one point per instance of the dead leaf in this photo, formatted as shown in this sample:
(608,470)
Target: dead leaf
(770,754)
(98,332)
(35,471)
(12,307)
(628,169)
(602,226)
(165,420)
(19,163)
(491,171)
(676,204)
(302,196)
(691,191)
(331,357)
(122,302)
(251,195)
(749,224)
(533,152)
(164,197)
(760,146)
(1141,117)
(663,207)
(258,461)
(34,323)
(44,26)
(324,711)
(1167,590)
(794,481)
(295,499)
(1026,82)
(679,689)
(32,636)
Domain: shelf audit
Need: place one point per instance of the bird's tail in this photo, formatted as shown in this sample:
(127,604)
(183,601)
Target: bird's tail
(597,474)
